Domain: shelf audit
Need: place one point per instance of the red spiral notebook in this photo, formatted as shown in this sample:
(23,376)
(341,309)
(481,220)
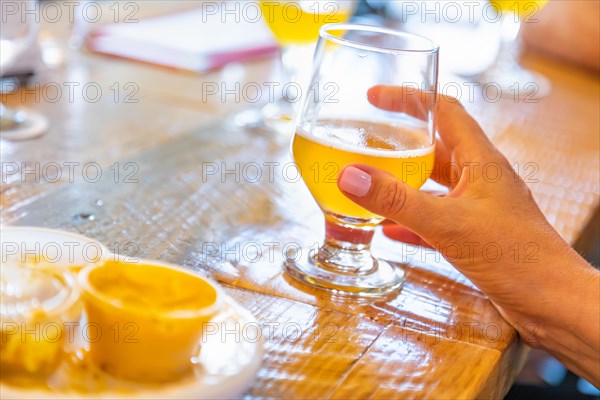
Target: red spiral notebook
(189,40)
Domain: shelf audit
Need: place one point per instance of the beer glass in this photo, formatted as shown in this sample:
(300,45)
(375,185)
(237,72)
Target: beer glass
(339,124)
(506,72)
(18,33)
(295,25)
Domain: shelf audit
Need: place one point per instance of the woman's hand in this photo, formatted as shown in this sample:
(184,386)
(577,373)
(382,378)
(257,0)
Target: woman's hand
(490,228)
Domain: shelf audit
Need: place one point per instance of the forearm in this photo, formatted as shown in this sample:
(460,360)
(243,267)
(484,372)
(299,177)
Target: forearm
(573,331)
(565,319)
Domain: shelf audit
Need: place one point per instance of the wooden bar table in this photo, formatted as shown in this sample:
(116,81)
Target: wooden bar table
(181,183)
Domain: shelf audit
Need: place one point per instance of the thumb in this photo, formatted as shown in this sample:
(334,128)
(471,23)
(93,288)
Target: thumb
(380,192)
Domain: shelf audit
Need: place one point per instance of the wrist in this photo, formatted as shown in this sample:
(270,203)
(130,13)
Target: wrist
(562,306)
(550,297)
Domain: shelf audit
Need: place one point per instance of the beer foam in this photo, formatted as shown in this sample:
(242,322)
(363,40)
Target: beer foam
(325,134)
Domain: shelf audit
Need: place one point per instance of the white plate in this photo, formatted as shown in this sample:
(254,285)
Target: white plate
(228,361)
(230,352)
(61,249)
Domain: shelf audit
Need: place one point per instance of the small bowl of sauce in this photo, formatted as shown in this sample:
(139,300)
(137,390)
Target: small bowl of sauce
(147,317)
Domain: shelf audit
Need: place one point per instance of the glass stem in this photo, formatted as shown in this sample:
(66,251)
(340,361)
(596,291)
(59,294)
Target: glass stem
(295,62)
(295,74)
(510,41)
(347,248)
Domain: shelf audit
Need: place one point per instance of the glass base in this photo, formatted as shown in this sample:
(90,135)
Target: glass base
(278,117)
(381,280)
(517,82)
(21,124)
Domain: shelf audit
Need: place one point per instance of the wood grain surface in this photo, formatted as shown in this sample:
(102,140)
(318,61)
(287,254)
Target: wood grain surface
(439,338)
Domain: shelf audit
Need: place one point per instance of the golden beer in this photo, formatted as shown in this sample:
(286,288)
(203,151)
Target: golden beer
(298,22)
(406,152)
(523,8)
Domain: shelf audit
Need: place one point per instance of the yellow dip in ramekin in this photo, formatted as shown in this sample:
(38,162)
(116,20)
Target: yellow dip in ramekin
(145,319)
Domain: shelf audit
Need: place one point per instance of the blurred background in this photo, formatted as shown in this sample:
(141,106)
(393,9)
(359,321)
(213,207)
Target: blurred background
(481,43)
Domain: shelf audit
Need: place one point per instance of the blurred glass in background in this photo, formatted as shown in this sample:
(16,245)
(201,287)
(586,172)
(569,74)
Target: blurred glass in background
(18,36)
(469,42)
(479,40)
(295,24)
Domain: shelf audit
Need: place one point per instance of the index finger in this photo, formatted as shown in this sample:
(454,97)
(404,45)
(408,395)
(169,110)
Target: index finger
(457,129)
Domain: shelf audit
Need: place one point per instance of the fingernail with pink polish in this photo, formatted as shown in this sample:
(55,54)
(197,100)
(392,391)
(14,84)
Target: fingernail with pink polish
(355,182)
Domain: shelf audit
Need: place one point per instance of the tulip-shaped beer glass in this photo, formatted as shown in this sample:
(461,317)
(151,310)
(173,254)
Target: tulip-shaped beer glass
(371,100)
